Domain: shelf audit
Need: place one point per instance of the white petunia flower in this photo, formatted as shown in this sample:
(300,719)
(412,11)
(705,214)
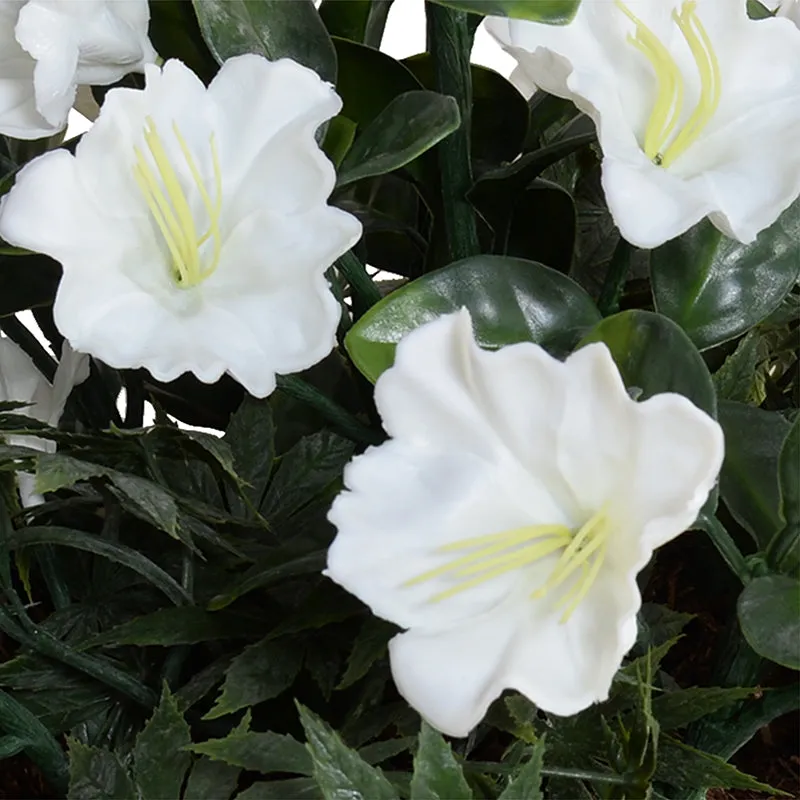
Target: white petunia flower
(504,522)
(192,224)
(49,47)
(790,9)
(681,91)
(21,381)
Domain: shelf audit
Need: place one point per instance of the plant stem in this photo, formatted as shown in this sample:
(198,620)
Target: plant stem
(726,547)
(348,425)
(450,44)
(616,277)
(365,292)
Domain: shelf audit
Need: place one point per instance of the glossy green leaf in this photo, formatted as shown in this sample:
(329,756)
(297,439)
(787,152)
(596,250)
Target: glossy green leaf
(789,474)
(339,771)
(211,780)
(270,28)
(437,774)
(526,784)
(362,21)
(653,354)
(260,672)
(510,300)
(555,12)
(160,762)
(97,774)
(411,124)
(769,615)
(257,752)
(749,479)
(716,288)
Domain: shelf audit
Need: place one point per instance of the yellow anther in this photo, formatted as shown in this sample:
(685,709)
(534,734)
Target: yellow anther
(670,97)
(499,553)
(171,210)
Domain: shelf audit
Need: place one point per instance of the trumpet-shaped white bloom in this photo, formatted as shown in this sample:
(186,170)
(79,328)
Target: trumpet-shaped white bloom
(49,47)
(21,382)
(697,108)
(192,224)
(790,9)
(505,520)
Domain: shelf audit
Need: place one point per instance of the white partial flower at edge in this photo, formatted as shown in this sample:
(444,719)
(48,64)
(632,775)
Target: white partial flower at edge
(192,224)
(697,108)
(504,522)
(791,10)
(49,47)
(21,381)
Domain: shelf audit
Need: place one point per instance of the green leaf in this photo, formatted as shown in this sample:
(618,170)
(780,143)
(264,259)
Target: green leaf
(769,614)
(437,774)
(270,28)
(362,21)
(742,375)
(258,752)
(211,780)
(411,124)
(789,474)
(37,742)
(370,645)
(749,479)
(716,288)
(251,439)
(340,772)
(510,300)
(304,472)
(680,708)
(288,789)
(175,625)
(260,672)
(338,139)
(555,12)
(160,762)
(653,354)
(526,784)
(97,774)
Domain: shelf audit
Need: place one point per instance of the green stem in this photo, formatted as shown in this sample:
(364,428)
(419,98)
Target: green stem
(615,279)
(726,547)
(365,292)
(347,424)
(553,772)
(450,45)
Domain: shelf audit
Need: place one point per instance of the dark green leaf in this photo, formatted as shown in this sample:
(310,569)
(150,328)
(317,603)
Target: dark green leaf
(385,749)
(653,354)
(749,480)
(270,28)
(97,774)
(288,789)
(260,672)
(339,138)
(680,708)
(411,124)
(526,785)
(259,752)
(340,772)
(370,645)
(211,780)
(555,12)
(160,762)
(437,774)
(510,300)
(789,474)
(716,288)
(769,614)
(362,21)
(742,376)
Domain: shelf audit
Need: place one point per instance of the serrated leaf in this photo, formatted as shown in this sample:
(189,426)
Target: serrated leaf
(339,771)
(526,784)
(370,645)
(160,762)
(437,774)
(97,774)
(260,672)
(740,378)
(211,780)
(680,708)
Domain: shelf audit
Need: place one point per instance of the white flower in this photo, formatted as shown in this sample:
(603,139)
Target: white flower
(21,382)
(49,47)
(192,224)
(790,9)
(697,108)
(504,522)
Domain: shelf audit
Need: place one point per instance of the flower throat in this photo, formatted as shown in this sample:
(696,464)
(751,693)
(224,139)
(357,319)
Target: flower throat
(171,210)
(659,145)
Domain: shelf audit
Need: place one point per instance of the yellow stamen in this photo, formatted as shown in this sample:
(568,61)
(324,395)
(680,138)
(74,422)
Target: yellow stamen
(170,207)
(499,553)
(670,97)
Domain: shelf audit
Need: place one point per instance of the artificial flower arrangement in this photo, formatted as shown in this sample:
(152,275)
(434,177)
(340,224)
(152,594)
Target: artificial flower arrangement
(519,521)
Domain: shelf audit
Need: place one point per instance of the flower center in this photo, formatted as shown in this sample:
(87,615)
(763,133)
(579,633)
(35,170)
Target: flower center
(171,210)
(582,555)
(659,145)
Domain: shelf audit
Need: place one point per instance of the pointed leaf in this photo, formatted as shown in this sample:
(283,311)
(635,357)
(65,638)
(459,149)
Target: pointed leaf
(97,774)
(526,785)
(211,780)
(680,708)
(437,774)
